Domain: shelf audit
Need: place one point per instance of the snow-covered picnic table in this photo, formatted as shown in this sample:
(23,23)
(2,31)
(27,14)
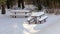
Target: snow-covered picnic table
(38,17)
(16,13)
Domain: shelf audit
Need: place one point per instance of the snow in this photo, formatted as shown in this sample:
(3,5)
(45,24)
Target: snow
(37,14)
(10,25)
(20,11)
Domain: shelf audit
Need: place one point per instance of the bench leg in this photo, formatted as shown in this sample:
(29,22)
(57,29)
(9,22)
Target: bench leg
(39,22)
(15,16)
(28,22)
(44,20)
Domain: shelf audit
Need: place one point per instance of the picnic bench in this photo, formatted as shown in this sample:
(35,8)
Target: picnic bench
(42,19)
(30,20)
(20,13)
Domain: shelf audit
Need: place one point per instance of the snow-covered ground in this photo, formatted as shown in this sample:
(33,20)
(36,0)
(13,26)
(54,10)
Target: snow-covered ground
(10,25)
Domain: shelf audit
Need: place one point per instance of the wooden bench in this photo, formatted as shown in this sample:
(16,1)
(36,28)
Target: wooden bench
(30,20)
(43,19)
(21,13)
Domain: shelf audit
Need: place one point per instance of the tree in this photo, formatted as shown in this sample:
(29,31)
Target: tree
(2,3)
(21,3)
(8,4)
(38,4)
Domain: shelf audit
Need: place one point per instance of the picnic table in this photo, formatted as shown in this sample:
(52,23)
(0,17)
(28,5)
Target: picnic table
(16,13)
(34,17)
(37,15)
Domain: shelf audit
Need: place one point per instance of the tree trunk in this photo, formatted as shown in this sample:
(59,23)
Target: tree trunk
(39,5)
(11,3)
(19,1)
(8,4)
(23,4)
(3,9)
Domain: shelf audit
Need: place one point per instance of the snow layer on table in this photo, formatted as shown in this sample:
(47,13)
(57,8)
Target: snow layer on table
(37,13)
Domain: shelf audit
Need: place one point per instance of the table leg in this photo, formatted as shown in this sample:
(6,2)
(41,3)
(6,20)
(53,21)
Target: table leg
(35,19)
(29,22)
(44,20)
(15,14)
(25,14)
(39,22)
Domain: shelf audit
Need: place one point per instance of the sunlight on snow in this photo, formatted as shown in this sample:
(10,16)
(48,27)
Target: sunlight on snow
(30,28)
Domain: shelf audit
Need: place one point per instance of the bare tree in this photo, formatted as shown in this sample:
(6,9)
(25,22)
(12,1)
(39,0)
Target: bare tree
(21,3)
